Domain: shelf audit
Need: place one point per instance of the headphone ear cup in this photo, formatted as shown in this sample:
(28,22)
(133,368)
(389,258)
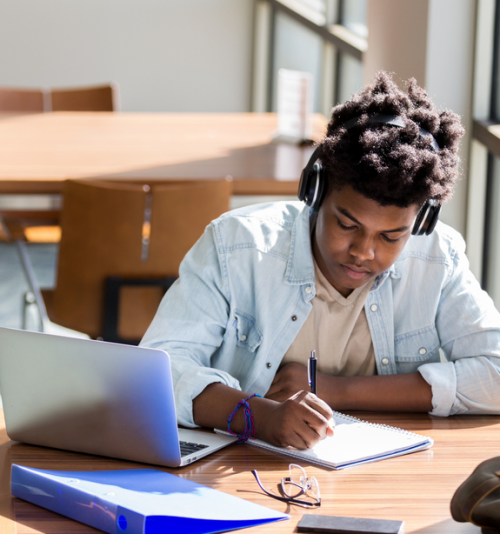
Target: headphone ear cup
(418,221)
(320,188)
(310,178)
(303,186)
(433,218)
(427,218)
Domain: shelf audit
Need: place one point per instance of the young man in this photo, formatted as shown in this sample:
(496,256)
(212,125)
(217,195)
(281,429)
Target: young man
(346,275)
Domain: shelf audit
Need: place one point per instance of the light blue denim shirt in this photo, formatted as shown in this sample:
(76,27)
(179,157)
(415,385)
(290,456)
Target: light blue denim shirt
(245,290)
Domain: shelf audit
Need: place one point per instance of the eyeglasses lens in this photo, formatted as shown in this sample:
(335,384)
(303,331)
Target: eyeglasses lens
(293,486)
(298,484)
(297,475)
(315,488)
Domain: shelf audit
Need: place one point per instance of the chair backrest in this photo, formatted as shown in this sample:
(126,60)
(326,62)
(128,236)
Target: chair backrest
(99,98)
(25,100)
(125,230)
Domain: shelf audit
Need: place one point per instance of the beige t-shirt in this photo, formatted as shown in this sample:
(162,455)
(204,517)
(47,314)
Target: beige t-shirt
(337,330)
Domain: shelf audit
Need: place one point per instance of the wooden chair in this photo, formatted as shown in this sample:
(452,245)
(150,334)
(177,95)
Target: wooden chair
(42,226)
(99,98)
(120,249)
(21,100)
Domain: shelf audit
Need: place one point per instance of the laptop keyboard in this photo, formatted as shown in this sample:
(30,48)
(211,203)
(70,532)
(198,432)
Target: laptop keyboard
(187,447)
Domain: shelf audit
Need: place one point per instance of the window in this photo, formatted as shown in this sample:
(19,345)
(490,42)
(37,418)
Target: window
(326,38)
(483,218)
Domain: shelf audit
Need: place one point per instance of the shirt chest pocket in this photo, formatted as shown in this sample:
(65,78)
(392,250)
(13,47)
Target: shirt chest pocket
(247,334)
(420,346)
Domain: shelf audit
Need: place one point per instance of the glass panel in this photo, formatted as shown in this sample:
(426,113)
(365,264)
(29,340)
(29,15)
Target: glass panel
(297,48)
(316,5)
(353,16)
(492,259)
(350,77)
(495,82)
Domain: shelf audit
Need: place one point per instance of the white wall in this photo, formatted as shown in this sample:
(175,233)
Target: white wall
(166,55)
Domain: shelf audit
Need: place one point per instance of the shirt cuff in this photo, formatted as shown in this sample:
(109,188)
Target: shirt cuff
(443,381)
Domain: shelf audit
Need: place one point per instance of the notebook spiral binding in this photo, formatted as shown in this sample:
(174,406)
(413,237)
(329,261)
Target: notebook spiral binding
(388,427)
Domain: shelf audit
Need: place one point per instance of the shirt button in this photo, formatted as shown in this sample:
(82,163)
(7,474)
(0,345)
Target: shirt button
(294,317)
(268,365)
(422,351)
(243,337)
(309,289)
(385,361)
(374,308)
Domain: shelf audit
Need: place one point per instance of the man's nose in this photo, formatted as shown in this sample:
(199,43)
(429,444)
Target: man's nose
(362,248)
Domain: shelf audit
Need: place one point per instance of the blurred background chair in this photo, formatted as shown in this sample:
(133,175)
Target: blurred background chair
(120,250)
(98,98)
(21,100)
(91,98)
(34,226)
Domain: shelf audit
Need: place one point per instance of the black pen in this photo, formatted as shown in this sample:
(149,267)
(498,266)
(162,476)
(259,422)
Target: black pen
(311,371)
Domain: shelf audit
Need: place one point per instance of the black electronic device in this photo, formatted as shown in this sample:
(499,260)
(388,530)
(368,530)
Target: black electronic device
(333,524)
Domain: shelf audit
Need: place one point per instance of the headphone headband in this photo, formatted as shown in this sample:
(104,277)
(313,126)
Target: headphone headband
(391,120)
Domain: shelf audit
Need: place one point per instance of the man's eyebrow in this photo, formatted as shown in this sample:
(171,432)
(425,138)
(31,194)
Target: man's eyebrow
(393,231)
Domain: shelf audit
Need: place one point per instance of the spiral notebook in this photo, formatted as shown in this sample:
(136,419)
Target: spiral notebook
(355,442)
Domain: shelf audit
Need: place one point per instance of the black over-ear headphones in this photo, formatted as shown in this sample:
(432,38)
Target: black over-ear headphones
(312,185)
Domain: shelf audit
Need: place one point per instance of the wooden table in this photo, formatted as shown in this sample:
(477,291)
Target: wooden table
(39,151)
(416,488)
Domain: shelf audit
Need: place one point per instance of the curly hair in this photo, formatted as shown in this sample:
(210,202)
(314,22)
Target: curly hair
(389,164)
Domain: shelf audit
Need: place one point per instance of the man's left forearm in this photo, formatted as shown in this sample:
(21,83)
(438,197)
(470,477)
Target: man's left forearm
(398,393)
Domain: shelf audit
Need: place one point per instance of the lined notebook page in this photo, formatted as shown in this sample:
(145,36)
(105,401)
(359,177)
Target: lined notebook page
(356,442)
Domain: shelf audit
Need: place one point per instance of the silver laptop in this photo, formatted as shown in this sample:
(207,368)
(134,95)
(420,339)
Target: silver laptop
(95,397)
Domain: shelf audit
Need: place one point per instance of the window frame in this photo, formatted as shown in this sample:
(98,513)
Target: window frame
(485,142)
(337,40)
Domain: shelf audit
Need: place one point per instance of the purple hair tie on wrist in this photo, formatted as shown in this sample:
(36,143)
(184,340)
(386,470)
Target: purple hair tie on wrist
(249,431)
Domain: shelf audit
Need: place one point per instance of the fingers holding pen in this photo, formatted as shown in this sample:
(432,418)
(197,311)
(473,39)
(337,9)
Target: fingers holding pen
(319,416)
(300,421)
(304,418)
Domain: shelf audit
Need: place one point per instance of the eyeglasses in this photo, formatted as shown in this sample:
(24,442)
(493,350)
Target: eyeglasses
(297,484)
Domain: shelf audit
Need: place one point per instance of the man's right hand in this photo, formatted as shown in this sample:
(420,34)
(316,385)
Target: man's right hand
(300,421)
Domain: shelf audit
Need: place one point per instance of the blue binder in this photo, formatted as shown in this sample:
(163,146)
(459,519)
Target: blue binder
(137,501)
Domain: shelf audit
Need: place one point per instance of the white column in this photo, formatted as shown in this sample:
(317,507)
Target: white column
(449,81)
(397,39)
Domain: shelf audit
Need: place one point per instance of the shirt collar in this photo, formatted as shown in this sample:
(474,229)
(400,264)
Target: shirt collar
(300,268)
(382,277)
